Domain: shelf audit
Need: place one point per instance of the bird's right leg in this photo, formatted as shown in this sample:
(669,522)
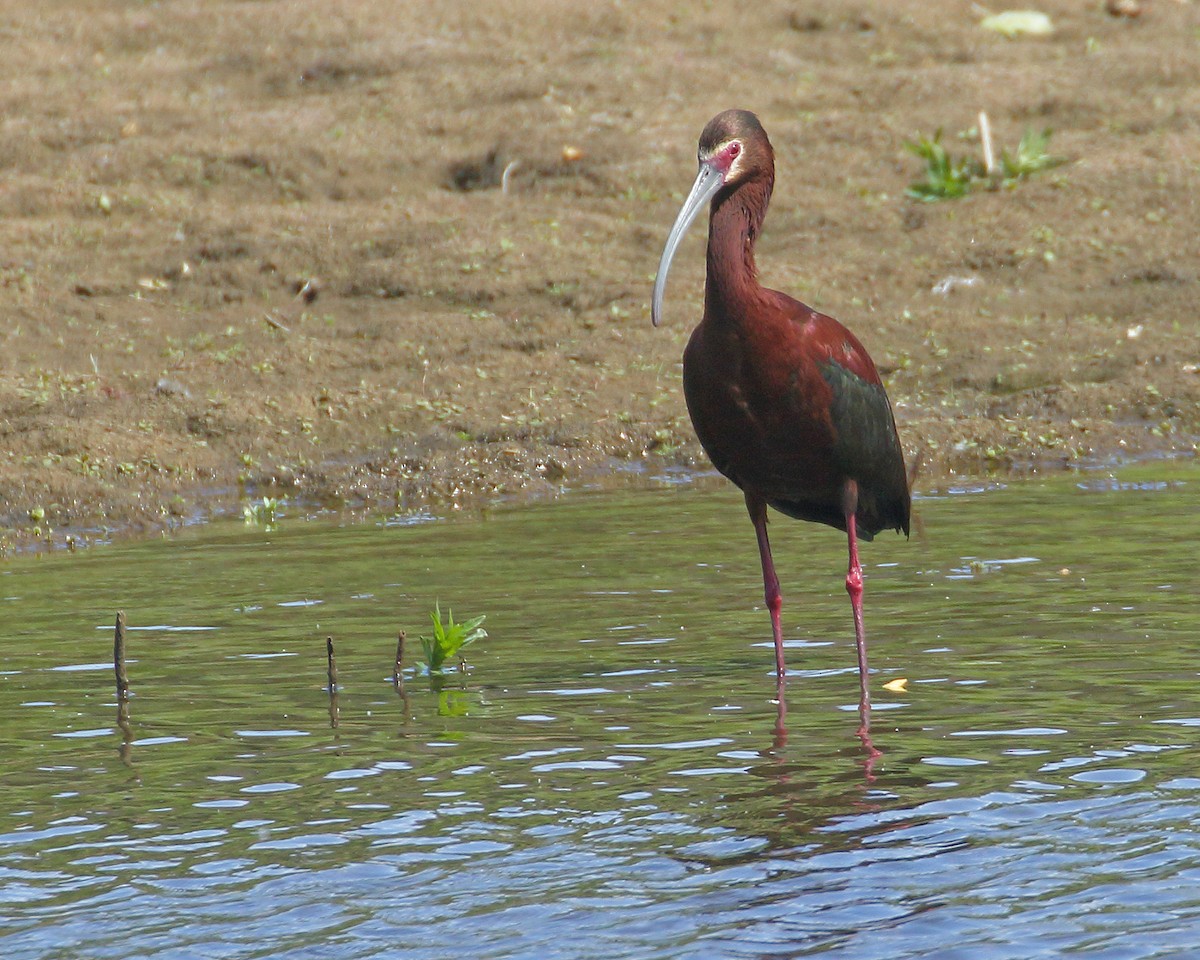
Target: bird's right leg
(758,514)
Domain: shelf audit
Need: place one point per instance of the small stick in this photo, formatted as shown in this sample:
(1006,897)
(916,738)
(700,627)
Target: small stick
(396,678)
(985,139)
(506,176)
(119,659)
(398,675)
(272,322)
(334,710)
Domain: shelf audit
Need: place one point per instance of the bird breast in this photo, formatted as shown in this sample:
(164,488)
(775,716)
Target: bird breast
(760,407)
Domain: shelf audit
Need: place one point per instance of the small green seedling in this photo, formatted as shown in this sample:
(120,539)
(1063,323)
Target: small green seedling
(944,178)
(448,639)
(262,513)
(1031,156)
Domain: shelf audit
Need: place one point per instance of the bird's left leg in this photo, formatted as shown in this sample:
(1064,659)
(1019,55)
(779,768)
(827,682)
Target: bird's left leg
(758,515)
(854,587)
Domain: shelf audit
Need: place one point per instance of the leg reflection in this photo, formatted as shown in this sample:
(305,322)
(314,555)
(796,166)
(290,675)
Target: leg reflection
(864,736)
(780,711)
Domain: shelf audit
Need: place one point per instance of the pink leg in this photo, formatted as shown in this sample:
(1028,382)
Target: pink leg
(758,514)
(854,587)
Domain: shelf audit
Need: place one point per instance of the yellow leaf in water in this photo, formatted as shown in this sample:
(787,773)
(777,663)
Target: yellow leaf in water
(899,685)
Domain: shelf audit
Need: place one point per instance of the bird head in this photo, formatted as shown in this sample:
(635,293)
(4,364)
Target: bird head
(733,149)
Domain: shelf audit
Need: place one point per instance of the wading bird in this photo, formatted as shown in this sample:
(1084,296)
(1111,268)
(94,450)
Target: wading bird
(785,401)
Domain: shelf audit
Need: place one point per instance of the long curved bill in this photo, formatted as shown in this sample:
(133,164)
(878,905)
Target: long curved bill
(708,181)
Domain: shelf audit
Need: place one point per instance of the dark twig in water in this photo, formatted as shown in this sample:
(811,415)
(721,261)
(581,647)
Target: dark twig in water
(119,659)
(334,712)
(396,677)
(333,679)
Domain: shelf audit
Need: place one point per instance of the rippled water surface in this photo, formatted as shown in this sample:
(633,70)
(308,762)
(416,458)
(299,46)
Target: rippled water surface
(611,779)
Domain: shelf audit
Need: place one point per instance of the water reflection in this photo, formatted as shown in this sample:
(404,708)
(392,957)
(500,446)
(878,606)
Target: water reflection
(123,724)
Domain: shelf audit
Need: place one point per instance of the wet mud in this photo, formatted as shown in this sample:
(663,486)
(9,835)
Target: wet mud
(398,257)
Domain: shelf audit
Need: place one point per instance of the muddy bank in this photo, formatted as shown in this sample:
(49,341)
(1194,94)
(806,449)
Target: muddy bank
(353,257)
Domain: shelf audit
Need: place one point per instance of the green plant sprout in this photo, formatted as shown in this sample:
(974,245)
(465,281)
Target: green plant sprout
(448,639)
(944,178)
(1031,156)
(947,178)
(262,513)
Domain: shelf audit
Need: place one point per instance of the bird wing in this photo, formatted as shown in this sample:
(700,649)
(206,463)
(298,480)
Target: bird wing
(866,445)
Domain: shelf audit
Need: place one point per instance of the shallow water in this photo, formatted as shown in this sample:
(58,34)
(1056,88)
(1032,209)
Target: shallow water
(610,780)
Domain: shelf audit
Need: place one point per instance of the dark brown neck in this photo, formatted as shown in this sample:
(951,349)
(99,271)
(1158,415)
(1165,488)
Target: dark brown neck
(733,227)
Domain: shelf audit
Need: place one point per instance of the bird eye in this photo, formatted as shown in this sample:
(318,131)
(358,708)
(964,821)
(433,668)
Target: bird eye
(735,149)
